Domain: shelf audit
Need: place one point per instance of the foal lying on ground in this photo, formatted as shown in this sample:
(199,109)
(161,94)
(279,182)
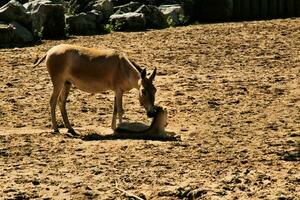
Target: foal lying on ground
(156,129)
(94,71)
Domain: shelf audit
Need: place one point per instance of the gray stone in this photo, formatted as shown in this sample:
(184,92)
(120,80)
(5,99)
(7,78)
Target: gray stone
(84,23)
(34,4)
(6,33)
(104,6)
(128,21)
(99,16)
(52,1)
(154,17)
(47,18)
(173,13)
(21,34)
(3,2)
(14,11)
(129,7)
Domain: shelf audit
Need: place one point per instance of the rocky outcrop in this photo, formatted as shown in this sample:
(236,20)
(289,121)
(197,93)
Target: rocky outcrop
(21,34)
(154,17)
(128,21)
(173,13)
(47,18)
(84,23)
(106,7)
(14,11)
(6,33)
(129,7)
(14,33)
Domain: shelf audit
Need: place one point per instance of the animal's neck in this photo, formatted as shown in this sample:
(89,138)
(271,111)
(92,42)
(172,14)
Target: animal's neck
(157,123)
(135,75)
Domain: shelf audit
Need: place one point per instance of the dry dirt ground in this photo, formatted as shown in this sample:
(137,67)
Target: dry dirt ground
(233,95)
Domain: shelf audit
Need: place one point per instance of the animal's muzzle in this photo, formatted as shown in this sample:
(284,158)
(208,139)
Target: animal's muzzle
(152,112)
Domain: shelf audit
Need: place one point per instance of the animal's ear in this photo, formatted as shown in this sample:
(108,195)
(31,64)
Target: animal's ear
(152,76)
(143,73)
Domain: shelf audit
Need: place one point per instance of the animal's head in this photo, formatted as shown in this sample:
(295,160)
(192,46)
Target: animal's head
(147,92)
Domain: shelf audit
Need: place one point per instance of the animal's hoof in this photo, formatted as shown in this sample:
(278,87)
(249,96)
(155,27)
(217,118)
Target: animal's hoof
(55,132)
(72,132)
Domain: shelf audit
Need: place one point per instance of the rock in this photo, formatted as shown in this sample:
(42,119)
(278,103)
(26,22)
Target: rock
(52,1)
(47,18)
(21,34)
(81,24)
(104,6)
(84,23)
(14,11)
(154,17)
(129,7)
(6,33)
(14,33)
(173,13)
(128,21)
(3,2)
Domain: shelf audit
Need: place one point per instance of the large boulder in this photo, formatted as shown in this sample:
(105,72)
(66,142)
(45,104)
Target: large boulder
(48,19)
(14,11)
(128,21)
(104,6)
(14,34)
(150,2)
(3,2)
(52,1)
(84,23)
(21,34)
(129,7)
(154,17)
(173,13)
(78,6)
(6,33)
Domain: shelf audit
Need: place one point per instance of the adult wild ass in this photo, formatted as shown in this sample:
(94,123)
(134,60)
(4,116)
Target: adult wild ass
(94,71)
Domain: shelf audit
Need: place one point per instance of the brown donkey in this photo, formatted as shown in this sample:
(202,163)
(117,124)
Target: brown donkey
(94,71)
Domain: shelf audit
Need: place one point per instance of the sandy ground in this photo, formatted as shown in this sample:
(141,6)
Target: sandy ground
(233,95)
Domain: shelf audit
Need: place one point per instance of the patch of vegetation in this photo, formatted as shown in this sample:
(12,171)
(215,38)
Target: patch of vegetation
(38,34)
(113,26)
(184,20)
(171,22)
(67,30)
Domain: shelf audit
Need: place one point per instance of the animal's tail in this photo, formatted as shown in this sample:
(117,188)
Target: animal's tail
(38,61)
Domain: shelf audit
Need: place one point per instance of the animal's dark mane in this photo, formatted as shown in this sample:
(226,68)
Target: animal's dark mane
(136,66)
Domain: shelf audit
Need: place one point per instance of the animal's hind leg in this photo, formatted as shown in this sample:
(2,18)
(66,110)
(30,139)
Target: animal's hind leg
(53,103)
(62,104)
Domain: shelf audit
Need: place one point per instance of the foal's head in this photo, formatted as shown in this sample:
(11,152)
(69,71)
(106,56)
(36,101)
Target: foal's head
(147,92)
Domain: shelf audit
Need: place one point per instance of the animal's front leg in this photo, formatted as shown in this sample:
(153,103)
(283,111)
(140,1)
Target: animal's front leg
(120,110)
(114,117)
